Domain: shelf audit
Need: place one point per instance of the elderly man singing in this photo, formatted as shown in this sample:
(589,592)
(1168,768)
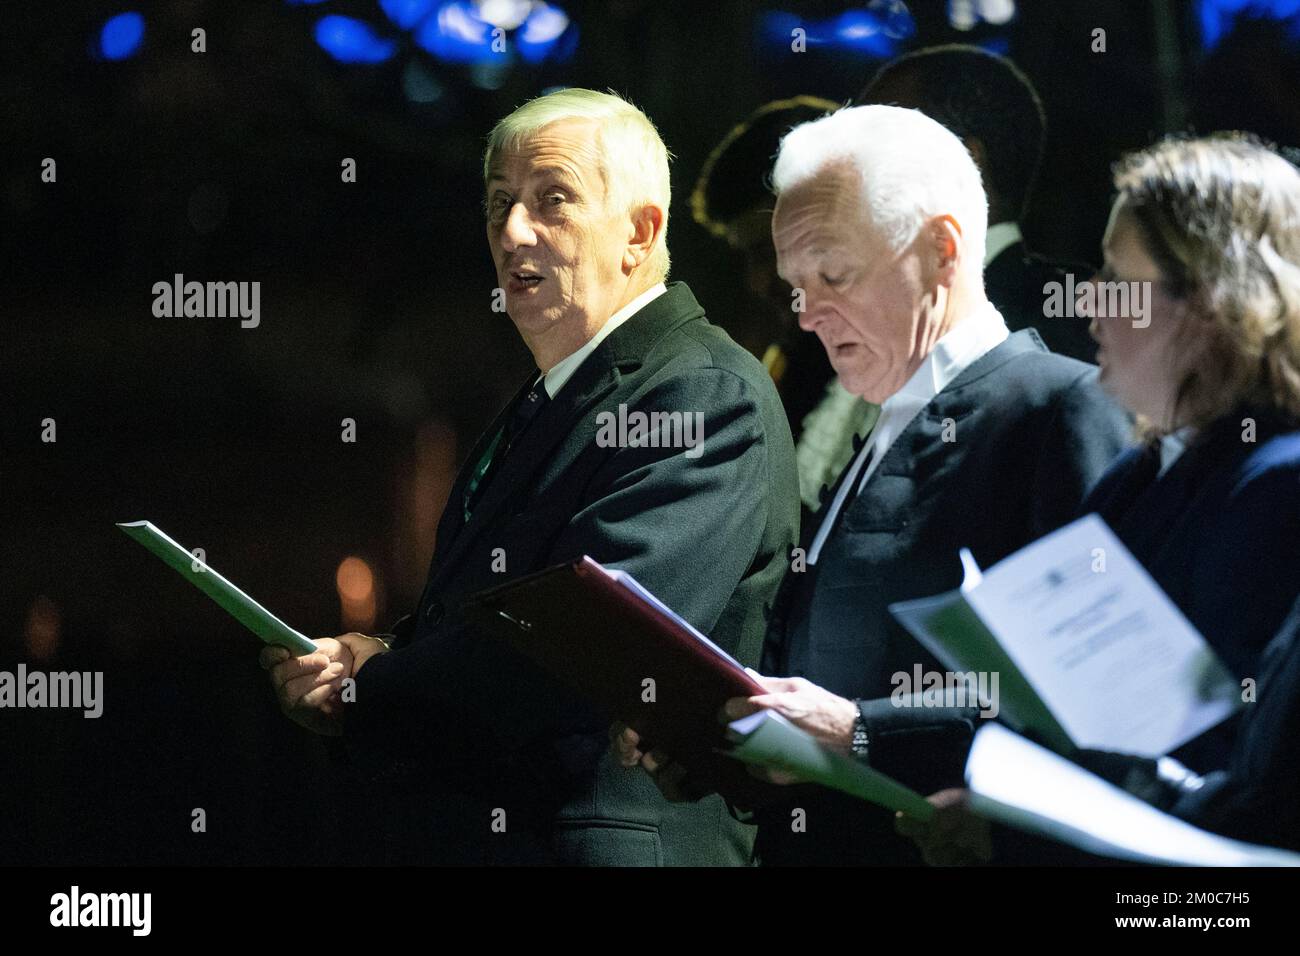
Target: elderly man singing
(478,756)
(985,440)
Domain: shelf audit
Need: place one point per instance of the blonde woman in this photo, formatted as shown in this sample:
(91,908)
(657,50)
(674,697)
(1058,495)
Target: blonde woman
(1209,502)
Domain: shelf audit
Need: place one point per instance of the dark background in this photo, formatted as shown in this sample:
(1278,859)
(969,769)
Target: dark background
(225,165)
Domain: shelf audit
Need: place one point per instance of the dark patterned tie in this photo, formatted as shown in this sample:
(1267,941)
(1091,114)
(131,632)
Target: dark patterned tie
(525,411)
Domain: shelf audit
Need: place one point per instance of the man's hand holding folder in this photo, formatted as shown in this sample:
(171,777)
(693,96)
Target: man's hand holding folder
(310,688)
(827,718)
(307,675)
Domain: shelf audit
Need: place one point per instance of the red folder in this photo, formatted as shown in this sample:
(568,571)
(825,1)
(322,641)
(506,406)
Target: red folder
(599,635)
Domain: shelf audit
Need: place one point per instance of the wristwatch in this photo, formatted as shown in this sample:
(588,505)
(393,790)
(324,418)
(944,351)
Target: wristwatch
(860,738)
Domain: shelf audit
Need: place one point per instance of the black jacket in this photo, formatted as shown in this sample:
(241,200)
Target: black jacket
(461,735)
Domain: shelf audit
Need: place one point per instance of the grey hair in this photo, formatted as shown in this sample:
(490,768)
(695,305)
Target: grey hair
(912,169)
(634,159)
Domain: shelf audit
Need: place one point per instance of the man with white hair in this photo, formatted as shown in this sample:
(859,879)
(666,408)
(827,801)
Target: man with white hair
(985,440)
(479,756)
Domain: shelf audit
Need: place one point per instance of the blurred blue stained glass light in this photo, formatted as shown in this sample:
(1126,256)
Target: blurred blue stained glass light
(1218,17)
(457,33)
(352,41)
(406,14)
(120,36)
(776,26)
(874,30)
(546,34)
(859,30)
(507,14)
(894,17)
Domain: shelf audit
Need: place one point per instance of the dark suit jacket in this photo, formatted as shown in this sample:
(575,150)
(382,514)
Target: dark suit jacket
(455,726)
(1014,282)
(1033,432)
(1254,794)
(1220,533)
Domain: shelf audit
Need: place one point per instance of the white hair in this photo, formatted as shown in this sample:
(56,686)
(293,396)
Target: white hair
(633,157)
(912,169)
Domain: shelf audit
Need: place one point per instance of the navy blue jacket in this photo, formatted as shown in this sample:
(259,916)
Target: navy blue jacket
(1220,533)
(1032,432)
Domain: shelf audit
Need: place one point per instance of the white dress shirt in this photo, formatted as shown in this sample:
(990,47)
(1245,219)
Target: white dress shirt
(563,370)
(965,343)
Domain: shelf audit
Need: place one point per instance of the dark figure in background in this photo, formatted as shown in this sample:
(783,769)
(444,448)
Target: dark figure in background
(995,111)
(733,200)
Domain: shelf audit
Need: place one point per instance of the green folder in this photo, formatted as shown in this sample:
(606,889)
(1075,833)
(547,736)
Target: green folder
(766,739)
(967,644)
(233,601)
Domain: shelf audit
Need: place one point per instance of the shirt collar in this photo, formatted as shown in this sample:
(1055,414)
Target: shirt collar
(563,370)
(1000,236)
(959,348)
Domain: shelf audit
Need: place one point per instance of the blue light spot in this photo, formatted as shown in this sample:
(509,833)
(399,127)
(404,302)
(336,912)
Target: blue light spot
(1212,26)
(405,14)
(352,41)
(874,31)
(777,27)
(894,18)
(121,36)
(1217,18)
(857,30)
(542,32)
(457,33)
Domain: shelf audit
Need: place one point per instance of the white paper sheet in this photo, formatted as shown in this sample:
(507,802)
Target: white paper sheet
(1017,782)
